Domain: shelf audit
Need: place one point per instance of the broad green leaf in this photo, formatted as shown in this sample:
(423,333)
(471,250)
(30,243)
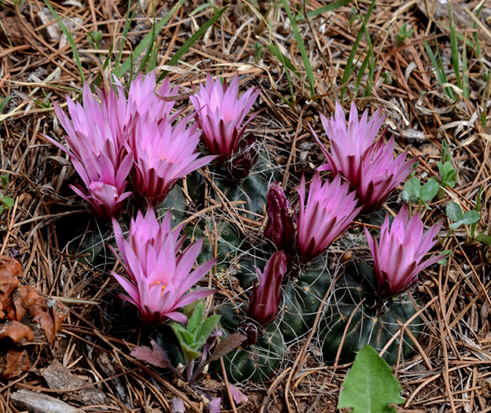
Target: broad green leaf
(190,352)
(370,386)
(196,319)
(484,238)
(412,190)
(470,217)
(206,329)
(429,190)
(454,212)
(183,335)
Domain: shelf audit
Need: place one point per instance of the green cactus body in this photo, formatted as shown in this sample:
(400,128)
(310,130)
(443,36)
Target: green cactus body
(256,361)
(369,323)
(302,298)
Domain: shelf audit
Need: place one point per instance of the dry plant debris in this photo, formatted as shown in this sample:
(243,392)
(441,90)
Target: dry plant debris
(62,248)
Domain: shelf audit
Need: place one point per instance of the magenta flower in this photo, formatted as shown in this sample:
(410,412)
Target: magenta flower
(398,257)
(329,210)
(149,103)
(96,146)
(279,228)
(265,300)
(160,274)
(362,159)
(163,154)
(220,113)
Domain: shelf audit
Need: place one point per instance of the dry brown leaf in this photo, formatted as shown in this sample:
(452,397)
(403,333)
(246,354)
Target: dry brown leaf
(16,331)
(10,270)
(16,363)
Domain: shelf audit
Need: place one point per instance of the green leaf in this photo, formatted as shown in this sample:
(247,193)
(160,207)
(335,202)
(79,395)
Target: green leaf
(412,190)
(370,386)
(7,201)
(206,329)
(190,352)
(470,217)
(448,174)
(454,212)
(146,41)
(429,190)
(183,335)
(196,319)
(484,238)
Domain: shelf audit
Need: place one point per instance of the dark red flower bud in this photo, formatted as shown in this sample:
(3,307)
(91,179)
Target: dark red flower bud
(265,300)
(244,158)
(279,228)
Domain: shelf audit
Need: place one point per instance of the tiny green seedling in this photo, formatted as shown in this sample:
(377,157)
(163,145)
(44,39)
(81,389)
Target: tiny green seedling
(5,201)
(405,32)
(193,337)
(415,192)
(370,385)
(448,174)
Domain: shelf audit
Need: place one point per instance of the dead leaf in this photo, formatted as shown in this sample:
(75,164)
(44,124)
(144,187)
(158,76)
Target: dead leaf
(11,30)
(16,363)
(156,356)
(59,377)
(16,331)
(228,344)
(41,403)
(10,270)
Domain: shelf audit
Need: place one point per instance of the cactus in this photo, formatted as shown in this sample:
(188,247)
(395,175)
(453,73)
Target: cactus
(266,348)
(373,323)
(258,359)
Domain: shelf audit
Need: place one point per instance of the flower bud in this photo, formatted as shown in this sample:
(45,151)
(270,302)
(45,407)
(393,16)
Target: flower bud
(266,297)
(279,228)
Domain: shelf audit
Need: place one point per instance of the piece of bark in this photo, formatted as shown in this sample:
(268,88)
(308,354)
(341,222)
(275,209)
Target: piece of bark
(41,403)
(59,377)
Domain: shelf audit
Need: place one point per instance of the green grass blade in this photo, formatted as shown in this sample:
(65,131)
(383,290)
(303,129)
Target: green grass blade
(150,51)
(301,47)
(439,72)
(454,46)
(126,28)
(465,72)
(189,42)
(3,103)
(371,64)
(324,9)
(69,37)
(275,50)
(146,41)
(287,64)
(348,71)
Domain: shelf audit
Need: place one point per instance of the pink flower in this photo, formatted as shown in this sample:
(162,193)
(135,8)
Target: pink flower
(279,228)
(329,210)
(265,300)
(160,274)
(365,161)
(96,146)
(220,113)
(147,102)
(398,257)
(163,154)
